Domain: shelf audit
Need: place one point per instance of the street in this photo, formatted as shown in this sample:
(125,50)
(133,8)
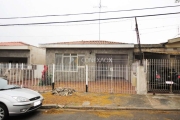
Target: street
(99,115)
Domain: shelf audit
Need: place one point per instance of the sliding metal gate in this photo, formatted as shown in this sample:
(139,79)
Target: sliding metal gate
(163,75)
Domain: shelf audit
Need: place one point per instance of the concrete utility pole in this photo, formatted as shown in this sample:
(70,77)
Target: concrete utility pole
(139,43)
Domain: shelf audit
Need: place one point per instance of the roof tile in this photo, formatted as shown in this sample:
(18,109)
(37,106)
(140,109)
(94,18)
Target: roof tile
(88,42)
(13,44)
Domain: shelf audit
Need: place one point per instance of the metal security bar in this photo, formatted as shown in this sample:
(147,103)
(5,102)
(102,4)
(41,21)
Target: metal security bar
(110,79)
(99,78)
(163,75)
(36,77)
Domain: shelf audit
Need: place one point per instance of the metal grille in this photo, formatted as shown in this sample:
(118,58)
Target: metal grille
(35,98)
(101,78)
(109,78)
(163,75)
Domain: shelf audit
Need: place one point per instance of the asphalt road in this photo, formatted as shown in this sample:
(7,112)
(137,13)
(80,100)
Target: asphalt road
(99,115)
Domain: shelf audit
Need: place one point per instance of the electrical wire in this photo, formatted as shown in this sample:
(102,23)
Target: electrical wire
(141,33)
(88,13)
(90,20)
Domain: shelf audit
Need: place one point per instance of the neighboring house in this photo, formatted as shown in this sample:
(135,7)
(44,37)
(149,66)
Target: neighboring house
(72,56)
(19,52)
(167,50)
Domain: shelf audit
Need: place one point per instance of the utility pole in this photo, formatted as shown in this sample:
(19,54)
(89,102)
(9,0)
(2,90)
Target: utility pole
(139,43)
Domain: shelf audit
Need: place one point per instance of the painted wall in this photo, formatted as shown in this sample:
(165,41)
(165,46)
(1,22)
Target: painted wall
(37,55)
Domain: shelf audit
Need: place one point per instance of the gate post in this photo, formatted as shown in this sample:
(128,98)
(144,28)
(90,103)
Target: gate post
(141,81)
(86,78)
(53,77)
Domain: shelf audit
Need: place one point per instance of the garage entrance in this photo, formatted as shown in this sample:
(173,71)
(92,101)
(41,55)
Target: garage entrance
(111,66)
(13,60)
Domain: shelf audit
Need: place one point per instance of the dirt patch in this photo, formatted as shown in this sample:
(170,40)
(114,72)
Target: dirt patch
(103,114)
(102,86)
(77,99)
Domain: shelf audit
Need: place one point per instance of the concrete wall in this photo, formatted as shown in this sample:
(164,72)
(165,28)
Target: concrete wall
(37,55)
(16,54)
(38,71)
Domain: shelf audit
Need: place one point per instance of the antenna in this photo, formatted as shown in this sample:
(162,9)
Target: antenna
(178,35)
(99,20)
(100,6)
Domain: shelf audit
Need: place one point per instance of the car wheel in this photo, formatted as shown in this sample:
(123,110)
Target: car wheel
(3,112)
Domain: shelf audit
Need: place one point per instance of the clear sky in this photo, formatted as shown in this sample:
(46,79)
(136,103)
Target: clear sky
(152,29)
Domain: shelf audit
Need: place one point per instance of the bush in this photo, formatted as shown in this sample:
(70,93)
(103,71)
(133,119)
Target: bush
(46,81)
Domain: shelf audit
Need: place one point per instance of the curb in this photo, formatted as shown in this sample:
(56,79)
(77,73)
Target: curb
(51,106)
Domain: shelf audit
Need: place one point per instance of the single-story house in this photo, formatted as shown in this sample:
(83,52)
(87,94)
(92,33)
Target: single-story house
(19,52)
(23,56)
(167,50)
(101,55)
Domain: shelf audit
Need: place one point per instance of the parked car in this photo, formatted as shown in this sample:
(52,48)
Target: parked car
(15,100)
(163,77)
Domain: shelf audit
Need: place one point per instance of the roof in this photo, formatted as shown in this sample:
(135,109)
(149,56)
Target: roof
(13,44)
(88,44)
(149,46)
(177,39)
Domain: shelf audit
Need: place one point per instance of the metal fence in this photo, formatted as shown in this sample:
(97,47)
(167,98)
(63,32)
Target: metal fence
(99,78)
(163,75)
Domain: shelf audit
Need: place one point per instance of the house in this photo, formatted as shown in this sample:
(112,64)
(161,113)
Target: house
(101,55)
(19,52)
(162,64)
(24,59)
(167,50)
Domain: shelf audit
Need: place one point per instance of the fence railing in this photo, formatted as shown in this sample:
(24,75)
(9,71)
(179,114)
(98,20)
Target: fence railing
(163,75)
(90,78)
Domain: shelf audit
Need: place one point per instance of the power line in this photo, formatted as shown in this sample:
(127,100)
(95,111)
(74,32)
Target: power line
(112,32)
(88,13)
(77,21)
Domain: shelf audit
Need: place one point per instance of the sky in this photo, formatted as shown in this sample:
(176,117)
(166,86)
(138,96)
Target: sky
(153,30)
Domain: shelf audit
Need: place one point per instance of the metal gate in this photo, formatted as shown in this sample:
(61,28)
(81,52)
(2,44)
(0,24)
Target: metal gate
(163,75)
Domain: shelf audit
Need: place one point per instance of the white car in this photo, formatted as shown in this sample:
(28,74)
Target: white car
(15,100)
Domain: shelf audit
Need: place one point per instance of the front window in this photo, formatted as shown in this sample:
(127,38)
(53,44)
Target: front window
(68,62)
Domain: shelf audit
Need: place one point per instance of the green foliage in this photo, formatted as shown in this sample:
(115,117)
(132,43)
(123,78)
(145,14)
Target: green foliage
(46,81)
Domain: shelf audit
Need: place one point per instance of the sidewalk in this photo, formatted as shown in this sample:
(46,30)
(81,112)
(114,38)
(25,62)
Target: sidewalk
(113,101)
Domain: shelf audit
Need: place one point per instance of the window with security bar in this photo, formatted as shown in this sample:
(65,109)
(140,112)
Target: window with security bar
(68,62)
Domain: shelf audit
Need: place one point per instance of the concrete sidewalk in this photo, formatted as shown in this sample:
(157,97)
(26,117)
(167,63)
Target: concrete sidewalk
(125,102)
